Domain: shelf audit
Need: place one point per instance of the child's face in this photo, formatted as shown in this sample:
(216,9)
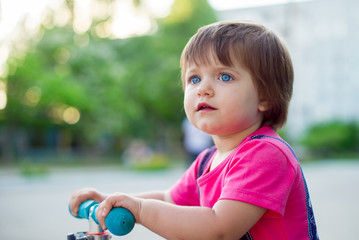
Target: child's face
(221,100)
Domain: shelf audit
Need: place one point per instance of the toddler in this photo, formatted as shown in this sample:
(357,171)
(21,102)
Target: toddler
(237,79)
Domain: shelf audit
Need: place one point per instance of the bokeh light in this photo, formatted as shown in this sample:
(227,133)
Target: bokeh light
(71,115)
(3,97)
(32,96)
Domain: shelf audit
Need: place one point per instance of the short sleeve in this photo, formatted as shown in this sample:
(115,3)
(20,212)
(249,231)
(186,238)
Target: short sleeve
(185,191)
(263,176)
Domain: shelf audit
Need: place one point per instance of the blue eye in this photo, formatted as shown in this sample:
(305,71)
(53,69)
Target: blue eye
(195,80)
(226,78)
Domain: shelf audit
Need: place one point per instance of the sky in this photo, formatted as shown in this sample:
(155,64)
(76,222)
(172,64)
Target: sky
(11,11)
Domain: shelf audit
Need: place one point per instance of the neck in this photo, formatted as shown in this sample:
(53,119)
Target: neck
(227,143)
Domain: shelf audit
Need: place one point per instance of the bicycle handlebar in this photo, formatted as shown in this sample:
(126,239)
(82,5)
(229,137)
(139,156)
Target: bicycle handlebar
(119,221)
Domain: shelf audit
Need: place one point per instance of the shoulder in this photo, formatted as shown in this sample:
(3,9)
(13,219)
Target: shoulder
(270,150)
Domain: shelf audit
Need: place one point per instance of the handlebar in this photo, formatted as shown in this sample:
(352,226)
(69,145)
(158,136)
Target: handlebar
(119,221)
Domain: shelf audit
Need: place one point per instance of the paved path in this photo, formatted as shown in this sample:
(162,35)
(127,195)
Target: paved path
(36,208)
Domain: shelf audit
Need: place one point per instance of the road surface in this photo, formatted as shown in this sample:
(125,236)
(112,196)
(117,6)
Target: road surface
(35,208)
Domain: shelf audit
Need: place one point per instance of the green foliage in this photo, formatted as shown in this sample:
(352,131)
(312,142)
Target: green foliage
(123,88)
(157,162)
(34,170)
(332,139)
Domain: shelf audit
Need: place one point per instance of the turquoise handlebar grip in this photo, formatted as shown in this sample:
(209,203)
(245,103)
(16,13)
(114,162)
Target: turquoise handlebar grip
(119,221)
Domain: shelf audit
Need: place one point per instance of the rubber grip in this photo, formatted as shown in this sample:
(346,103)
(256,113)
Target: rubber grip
(119,221)
(84,209)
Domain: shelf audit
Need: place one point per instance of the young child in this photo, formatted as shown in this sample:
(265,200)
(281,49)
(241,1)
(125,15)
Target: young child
(237,79)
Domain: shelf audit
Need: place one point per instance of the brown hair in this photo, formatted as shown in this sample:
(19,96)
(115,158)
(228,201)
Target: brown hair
(260,50)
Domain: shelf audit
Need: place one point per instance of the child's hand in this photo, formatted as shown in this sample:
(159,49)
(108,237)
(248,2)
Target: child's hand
(131,203)
(81,195)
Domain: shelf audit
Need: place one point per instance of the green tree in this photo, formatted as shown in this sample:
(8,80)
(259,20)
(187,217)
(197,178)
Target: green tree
(123,88)
(332,139)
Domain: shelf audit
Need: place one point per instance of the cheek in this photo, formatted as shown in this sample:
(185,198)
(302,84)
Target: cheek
(187,100)
(245,104)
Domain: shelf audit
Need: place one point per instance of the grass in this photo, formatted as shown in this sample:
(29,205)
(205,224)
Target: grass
(37,166)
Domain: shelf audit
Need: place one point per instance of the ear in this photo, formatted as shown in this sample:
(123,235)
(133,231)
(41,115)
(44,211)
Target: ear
(263,106)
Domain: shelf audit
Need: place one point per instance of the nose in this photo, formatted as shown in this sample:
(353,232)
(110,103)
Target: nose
(205,88)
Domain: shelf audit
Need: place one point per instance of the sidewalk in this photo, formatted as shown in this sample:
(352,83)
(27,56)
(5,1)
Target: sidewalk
(334,189)
(36,208)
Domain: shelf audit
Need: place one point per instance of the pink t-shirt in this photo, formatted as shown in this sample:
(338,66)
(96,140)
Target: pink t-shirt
(262,172)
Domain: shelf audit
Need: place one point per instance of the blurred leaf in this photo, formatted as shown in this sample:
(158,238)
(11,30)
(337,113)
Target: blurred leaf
(124,88)
(332,139)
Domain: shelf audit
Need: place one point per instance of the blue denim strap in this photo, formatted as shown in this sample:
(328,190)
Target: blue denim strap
(312,227)
(204,161)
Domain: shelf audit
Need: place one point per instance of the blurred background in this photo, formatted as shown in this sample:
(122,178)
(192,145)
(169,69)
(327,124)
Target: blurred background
(90,95)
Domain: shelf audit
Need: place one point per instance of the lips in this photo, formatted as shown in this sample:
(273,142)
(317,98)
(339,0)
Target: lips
(204,107)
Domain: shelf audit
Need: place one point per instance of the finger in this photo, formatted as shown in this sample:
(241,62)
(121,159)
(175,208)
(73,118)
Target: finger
(99,215)
(102,213)
(114,200)
(74,203)
(81,195)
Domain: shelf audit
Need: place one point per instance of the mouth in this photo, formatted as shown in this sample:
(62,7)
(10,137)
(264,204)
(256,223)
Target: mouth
(204,107)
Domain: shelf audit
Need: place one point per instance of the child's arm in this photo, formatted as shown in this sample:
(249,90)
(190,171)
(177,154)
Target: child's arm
(84,194)
(227,219)
(157,195)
